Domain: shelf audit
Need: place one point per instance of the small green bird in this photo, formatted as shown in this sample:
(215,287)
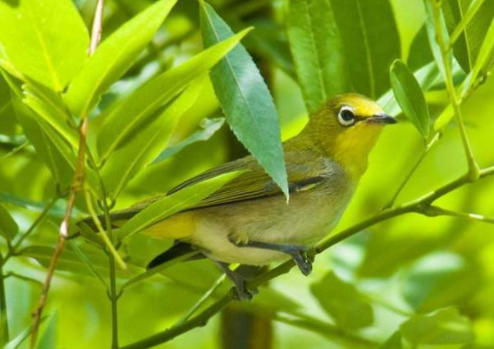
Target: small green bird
(248,221)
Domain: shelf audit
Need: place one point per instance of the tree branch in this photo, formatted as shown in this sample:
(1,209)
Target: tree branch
(77,182)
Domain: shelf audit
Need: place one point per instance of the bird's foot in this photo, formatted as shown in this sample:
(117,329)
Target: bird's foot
(240,292)
(301,255)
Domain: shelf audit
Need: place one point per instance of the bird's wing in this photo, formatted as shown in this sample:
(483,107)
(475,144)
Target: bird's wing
(254,183)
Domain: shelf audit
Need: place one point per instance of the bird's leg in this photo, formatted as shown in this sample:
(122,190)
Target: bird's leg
(242,292)
(299,253)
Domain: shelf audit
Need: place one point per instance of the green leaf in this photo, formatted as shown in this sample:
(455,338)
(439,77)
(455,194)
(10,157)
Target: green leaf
(394,342)
(318,51)
(8,226)
(372,42)
(410,97)
(70,261)
(52,112)
(246,101)
(432,281)
(171,204)
(45,40)
(343,302)
(433,35)
(468,21)
(485,58)
(17,341)
(147,143)
(420,50)
(445,326)
(208,128)
(49,338)
(114,56)
(123,119)
(46,147)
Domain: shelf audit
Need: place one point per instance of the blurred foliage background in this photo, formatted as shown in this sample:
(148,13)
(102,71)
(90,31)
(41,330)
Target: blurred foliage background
(410,282)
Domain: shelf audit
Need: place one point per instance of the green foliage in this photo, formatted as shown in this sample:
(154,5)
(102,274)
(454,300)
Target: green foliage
(410,97)
(246,101)
(446,326)
(318,51)
(363,26)
(113,57)
(156,93)
(31,40)
(343,302)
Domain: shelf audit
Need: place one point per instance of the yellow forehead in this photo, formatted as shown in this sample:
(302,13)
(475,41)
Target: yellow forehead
(360,105)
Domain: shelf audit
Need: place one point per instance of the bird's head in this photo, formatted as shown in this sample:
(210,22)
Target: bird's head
(346,129)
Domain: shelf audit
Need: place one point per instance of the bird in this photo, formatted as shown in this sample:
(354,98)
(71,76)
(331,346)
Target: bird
(249,221)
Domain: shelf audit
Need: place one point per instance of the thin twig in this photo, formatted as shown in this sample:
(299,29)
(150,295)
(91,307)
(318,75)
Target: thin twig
(77,182)
(419,205)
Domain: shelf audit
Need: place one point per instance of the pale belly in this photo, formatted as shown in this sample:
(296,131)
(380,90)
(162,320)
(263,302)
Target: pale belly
(304,221)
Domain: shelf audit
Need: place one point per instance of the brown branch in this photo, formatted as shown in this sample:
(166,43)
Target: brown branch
(77,183)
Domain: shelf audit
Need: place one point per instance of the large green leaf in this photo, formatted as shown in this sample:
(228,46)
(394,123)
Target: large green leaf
(114,56)
(445,326)
(147,143)
(318,51)
(8,226)
(126,116)
(246,101)
(420,51)
(171,204)
(371,40)
(51,112)
(410,97)
(45,40)
(467,45)
(343,302)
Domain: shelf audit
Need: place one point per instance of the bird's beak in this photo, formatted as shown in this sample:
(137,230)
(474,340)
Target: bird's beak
(382,119)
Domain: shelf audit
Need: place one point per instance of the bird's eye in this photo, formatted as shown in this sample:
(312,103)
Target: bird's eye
(346,117)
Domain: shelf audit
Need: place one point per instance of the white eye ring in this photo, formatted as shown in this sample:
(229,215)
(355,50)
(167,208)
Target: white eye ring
(346,117)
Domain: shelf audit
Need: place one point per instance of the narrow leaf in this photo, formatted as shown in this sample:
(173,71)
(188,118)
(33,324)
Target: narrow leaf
(114,56)
(246,100)
(372,42)
(148,142)
(343,302)
(125,117)
(420,51)
(45,40)
(171,204)
(8,226)
(17,341)
(49,338)
(318,51)
(445,326)
(410,97)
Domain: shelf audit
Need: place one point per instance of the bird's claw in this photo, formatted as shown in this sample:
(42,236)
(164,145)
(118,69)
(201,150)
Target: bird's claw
(303,260)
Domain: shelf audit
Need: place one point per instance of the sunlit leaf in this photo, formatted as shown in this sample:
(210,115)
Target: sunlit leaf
(343,302)
(371,40)
(8,226)
(147,143)
(171,204)
(246,101)
(318,51)
(445,326)
(114,56)
(19,339)
(125,117)
(410,97)
(45,40)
